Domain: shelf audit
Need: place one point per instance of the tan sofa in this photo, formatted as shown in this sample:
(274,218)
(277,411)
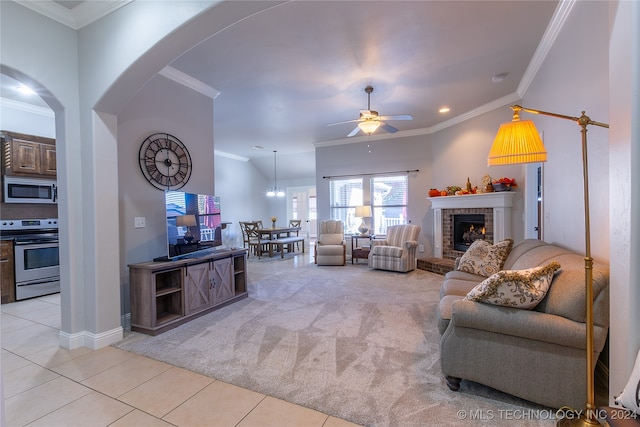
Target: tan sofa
(538,355)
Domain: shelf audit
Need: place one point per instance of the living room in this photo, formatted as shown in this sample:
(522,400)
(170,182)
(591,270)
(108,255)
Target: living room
(588,68)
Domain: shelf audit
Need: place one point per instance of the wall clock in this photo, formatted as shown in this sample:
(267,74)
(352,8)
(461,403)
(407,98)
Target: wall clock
(165,161)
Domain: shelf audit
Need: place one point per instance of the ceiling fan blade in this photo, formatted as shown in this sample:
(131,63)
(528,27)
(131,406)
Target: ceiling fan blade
(388,128)
(354,132)
(346,121)
(398,117)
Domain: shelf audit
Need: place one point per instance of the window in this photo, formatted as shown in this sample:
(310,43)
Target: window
(345,195)
(386,194)
(389,196)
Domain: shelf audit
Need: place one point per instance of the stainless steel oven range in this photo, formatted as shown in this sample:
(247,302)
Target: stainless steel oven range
(37,264)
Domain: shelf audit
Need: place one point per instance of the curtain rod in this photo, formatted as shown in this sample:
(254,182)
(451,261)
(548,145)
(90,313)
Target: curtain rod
(368,174)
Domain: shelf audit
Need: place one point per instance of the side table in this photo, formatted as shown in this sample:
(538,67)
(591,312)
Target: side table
(360,252)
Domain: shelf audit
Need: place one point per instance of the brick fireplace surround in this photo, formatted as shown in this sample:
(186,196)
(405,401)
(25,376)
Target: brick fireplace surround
(496,208)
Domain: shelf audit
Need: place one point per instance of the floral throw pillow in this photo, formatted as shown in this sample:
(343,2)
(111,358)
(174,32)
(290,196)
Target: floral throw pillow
(630,396)
(515,288)
(483,258)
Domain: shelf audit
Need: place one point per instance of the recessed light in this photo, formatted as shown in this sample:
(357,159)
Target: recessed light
(25,90)
(444,110)
(499,77)
(258,147)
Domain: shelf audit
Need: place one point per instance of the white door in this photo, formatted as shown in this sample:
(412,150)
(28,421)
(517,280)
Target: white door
(301,205)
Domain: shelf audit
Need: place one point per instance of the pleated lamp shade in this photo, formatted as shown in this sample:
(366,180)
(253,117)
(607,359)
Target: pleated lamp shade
(517,142)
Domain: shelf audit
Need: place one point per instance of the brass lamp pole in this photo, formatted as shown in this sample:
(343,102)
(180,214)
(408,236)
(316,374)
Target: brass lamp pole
(519,142)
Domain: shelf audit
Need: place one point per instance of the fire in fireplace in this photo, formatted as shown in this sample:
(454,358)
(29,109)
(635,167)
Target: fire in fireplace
(467,228)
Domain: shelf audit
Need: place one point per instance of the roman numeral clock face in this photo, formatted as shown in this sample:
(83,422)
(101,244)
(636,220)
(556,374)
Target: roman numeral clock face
(165,161)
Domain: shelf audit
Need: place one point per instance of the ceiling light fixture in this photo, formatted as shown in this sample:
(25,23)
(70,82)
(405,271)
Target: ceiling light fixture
(275,191)
(25,90)
(444,110)
(369,126)
(499,77)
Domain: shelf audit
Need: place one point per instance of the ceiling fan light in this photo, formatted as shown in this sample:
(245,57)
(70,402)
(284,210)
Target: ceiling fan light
(369,126)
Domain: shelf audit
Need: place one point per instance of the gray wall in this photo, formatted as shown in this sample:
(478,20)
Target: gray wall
(444,158)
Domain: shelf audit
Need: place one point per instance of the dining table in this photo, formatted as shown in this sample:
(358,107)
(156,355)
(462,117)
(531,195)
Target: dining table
(273,233)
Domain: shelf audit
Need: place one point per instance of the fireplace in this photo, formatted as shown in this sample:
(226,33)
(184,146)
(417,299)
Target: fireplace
(495,208)
(467,228)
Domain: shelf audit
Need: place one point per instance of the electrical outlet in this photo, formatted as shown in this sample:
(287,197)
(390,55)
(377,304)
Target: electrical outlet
(420,248)
(139,222)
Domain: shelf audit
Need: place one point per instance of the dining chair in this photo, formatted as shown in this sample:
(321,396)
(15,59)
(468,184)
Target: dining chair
(245,238)
(298,224)
(254,238)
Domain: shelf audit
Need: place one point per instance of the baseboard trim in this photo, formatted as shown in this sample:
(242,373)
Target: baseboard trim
(90,339)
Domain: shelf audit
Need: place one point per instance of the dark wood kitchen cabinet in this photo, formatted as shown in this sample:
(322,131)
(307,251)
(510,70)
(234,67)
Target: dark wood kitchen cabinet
(7,273)
(169,293)
(28,155)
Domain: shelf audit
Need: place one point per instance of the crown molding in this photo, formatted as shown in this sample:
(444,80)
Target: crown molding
(548,39)
(188,81)
(500,102)
(83,14)
(230,156)
(27,108)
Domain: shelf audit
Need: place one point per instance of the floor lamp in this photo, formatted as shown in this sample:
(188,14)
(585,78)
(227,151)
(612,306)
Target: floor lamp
(519,142)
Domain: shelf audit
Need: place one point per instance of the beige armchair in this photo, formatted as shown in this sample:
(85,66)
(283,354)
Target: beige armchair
(398,251)
(330,246)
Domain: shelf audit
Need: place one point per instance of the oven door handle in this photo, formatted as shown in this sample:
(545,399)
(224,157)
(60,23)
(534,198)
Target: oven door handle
(35,242)
(55,193)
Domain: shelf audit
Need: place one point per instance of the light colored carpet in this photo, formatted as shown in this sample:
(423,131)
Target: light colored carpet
(351,342)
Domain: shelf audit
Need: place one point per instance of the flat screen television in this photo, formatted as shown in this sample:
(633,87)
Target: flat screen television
(193,223)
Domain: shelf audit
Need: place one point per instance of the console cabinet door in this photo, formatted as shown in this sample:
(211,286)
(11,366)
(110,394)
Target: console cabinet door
(223,288)
(197,288)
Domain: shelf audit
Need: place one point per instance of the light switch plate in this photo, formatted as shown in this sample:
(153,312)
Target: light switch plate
(420,248)
(139,222)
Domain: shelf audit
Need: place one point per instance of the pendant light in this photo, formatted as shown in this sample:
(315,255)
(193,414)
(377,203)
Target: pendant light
(275,191)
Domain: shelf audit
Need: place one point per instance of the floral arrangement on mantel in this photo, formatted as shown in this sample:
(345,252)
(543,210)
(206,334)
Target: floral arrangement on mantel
(488,185)
(273,221)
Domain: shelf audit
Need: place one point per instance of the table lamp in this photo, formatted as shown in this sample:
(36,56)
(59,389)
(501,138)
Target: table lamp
(186,221)
(363,212)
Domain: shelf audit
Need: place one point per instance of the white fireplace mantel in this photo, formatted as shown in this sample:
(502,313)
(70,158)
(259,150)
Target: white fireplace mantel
(500,202)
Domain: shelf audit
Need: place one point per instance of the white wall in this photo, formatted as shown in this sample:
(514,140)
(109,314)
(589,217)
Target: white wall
(24,118)
(575,78)
(624,195)
(445,158)
(158,107)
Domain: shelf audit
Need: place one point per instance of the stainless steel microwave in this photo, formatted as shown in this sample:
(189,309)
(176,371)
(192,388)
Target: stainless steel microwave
(19,189)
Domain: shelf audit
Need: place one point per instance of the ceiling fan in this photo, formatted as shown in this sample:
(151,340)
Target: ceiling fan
(370,120)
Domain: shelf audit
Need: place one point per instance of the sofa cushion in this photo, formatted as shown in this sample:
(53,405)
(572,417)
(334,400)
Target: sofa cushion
(485,259)
(392,251)
(515,288)
(330,239)
(457,287)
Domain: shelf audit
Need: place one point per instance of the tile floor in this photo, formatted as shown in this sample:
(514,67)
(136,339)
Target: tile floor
(45,385)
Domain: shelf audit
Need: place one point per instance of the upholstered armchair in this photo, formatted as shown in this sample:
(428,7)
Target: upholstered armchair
(330,246)
(398,251)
